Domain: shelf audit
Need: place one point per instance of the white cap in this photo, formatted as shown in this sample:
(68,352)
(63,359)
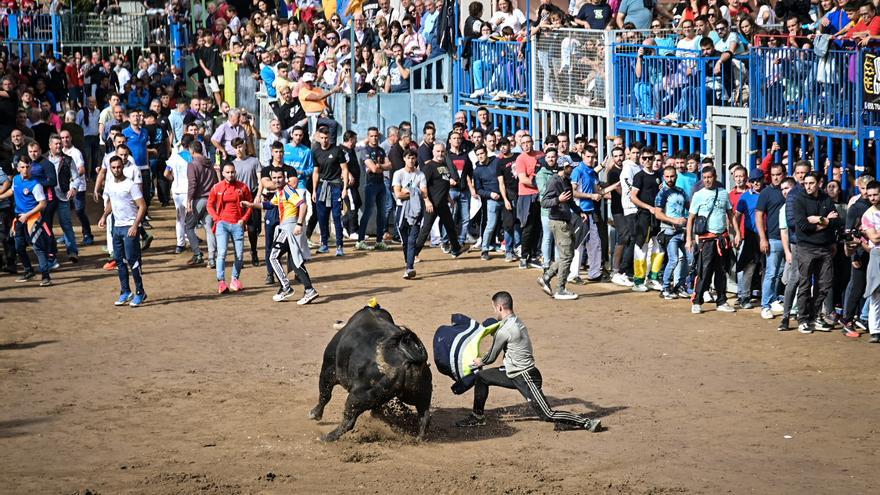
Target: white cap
(308,77)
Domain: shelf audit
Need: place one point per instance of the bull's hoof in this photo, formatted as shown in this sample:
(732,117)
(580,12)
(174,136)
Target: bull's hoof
(330,437)
(315,415)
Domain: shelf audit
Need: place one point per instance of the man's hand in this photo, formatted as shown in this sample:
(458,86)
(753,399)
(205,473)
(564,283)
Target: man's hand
(689,245)
(189,209)
(832,215)
(814,219)
(71,194)
(240,222)
(96,195)
(507,205)
(102,222)
(765,246)
(133,231)
(23,218)
(856,264)
(453,182)
(297,230)
(583,216)
(429,207)
(477,363)
(565,197)
(314,197)
(494,196)
(788,258)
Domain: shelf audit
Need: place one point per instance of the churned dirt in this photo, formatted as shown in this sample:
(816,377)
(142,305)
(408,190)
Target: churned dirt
(200,393)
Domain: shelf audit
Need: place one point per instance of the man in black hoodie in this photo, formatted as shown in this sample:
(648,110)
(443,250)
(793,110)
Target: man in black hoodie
(559,198)
(817,223)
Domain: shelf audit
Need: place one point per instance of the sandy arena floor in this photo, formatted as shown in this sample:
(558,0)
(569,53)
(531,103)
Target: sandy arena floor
(200,393)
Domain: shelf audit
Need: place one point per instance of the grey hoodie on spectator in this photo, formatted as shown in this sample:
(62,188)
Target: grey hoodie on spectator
(201,176)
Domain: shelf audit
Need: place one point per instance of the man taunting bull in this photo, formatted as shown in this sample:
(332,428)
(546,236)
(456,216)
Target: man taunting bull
(518,372)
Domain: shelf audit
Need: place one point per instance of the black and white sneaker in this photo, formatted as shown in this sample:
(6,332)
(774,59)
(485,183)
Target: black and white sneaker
(783,325)
(592,425)
(821,326)
(308,297)
(283,294)
(668,295)
(545,286)
(26,276)
(471,421)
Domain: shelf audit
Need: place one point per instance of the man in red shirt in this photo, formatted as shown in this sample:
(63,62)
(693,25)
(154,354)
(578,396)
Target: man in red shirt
(868,27)
(230,218)
(528,207)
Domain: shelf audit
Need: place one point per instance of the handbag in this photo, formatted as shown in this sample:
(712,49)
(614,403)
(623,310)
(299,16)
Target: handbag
(701,223)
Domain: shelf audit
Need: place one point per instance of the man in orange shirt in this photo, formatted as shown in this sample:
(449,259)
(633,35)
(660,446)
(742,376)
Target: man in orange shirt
(230,217)
(528,206)
(314,100)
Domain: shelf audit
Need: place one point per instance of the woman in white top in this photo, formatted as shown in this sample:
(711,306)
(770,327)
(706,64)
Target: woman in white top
(507,16)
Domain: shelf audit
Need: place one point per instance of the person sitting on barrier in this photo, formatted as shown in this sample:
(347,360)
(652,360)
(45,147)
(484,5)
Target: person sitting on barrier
(717,72)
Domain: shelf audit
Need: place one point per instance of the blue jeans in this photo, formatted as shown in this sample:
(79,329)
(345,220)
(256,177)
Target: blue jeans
(772,272)
(67,227)
(674,265)
(127,252)
(461,213)
(408,236)
(493,212)
(389,209)
(546,241)
(374,198)
(79,204)
(324,212)
(39,240)
(225,230)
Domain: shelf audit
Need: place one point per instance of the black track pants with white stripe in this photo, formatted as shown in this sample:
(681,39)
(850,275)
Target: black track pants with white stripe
(529,385)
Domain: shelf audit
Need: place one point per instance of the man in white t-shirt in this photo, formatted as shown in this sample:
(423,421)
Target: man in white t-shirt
(410,193)
(630,210)
(79,201)
(125,201)
(175,171)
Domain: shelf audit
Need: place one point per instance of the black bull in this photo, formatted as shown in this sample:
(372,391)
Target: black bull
(375,361)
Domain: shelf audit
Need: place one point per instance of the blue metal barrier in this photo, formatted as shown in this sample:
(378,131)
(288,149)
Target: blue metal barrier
(498,70)
(29,35)
(797,87)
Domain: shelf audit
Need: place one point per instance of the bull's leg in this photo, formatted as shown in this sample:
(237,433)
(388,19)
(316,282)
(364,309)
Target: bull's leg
(357,403)
(424,419)
(325,390)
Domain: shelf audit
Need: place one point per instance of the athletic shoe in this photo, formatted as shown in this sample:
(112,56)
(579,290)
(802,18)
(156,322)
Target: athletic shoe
(767,313)
(484,256)
(284,295)
(26,276)
(821,326)
(395,240)
(124,299)
(88,240)
(137,300)
(308,297)
(417,260)
(55,265)
(726,308)
(875,338)
(696,309)
(323,249)
(777,307)
(380,246)
(148,240)
(565,295)
(270,280)
(471,420)
(455,254)
(668,295)
(545,286)
(110,265)
(46,282)
(339,251)
(533,263)
(509,257)
(179,249)
(592,425)
(783,325)
(197,259)
(222,288)
(445,248)
(805,328)
(523,264)
(73,258)
(621,280)
(309,243)
(849,331)
(654,285)
(255,260)
(639,288)
(682,293)
(236,285)
(361,246)
(409,274)
(211,263)
(580,281)
(860,325)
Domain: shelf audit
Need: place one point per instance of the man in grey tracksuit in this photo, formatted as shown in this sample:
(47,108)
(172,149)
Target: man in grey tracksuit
(518,372)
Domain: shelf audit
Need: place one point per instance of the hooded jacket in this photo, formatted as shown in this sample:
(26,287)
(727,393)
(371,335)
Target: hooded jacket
(201,177)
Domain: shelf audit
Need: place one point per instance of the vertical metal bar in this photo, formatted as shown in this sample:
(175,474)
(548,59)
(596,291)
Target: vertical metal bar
(829,155)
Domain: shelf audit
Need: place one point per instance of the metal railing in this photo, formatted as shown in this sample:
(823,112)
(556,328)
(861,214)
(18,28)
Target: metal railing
(796,86)
(432,75)
(103,30)
(570,67)
(674,89)
(499,70)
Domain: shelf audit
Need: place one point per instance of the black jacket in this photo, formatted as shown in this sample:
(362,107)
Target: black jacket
(806,206)
(550,199)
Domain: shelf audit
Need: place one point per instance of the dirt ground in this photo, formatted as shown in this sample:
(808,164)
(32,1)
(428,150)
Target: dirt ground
(200,393)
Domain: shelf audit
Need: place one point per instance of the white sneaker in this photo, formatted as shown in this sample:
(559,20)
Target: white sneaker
(654,285)
(308,297)
(777,307)
(639,288)
(805,328)
(726,308)
(696,309)
(565,295)
(767,314)
(621,280)
(708,296)
(283,295)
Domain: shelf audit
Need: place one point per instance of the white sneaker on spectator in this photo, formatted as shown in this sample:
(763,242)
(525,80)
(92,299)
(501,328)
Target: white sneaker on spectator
(725,308)
(696,309)
(767,314)
(654,285)
(777,307)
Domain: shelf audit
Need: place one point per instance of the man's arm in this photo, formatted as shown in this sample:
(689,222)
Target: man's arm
(499,343)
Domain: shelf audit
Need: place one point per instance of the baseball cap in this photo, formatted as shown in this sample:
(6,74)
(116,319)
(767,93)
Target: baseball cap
(308,77)
(756,175)
(564,161)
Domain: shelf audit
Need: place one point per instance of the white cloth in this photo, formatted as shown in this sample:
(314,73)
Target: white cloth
(131,170)
(122,196)
(78,161)
(178,165)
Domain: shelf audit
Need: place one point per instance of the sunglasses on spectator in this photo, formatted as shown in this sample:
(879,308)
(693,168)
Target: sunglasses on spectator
(656,25)
(646,157)
(407,25)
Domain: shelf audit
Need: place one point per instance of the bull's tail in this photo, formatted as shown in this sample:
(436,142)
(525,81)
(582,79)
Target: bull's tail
(411,346)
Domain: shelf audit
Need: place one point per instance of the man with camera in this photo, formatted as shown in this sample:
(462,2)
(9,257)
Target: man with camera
(858,252)
(817,222)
